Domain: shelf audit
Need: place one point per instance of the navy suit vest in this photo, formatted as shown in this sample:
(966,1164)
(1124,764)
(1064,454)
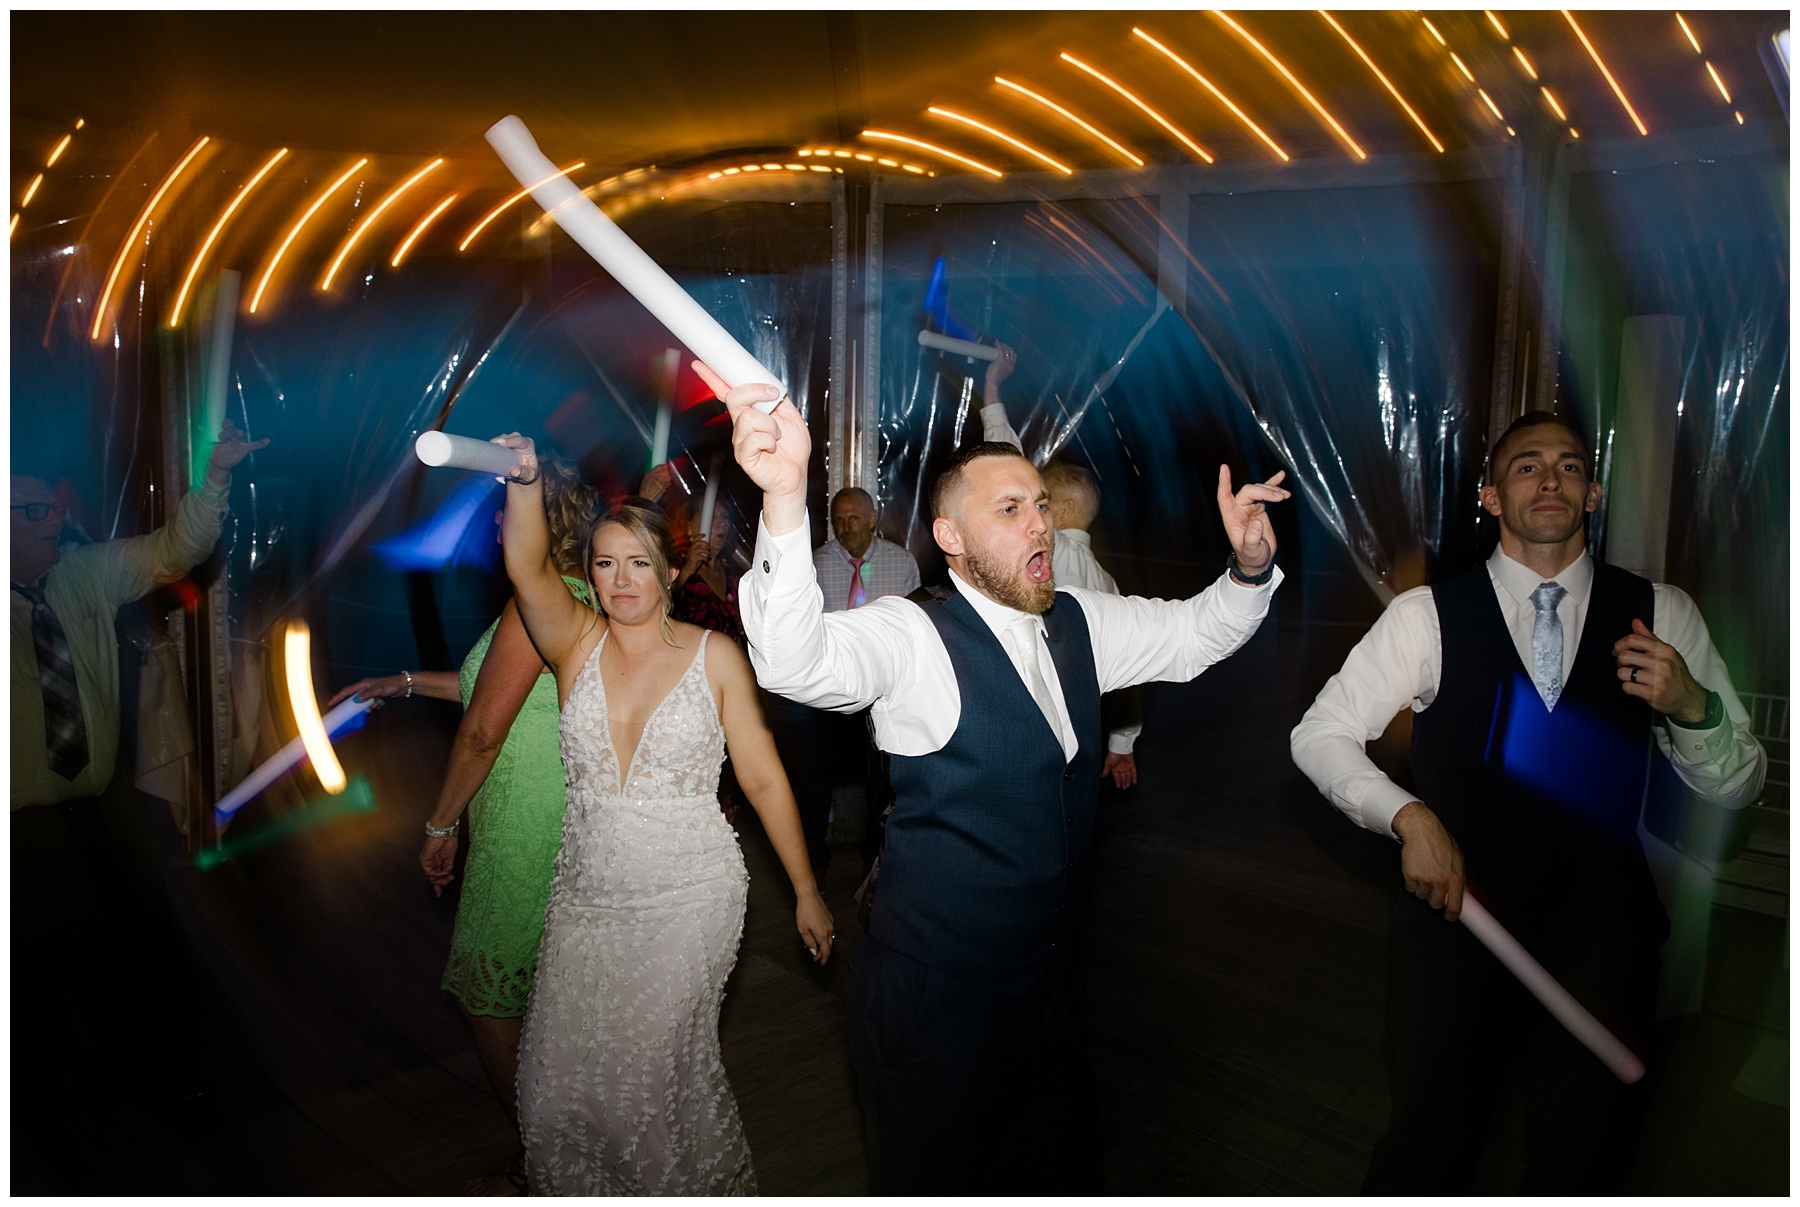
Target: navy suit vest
(1544,803)
(985,872)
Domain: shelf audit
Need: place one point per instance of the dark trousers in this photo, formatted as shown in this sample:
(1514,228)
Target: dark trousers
(1458,1023)
(968,1091)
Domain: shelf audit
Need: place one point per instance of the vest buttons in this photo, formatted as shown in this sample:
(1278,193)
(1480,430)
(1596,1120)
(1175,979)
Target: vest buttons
(1068,773)
(1070,820)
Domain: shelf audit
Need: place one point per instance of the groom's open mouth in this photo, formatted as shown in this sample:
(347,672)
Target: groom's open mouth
(1037,566)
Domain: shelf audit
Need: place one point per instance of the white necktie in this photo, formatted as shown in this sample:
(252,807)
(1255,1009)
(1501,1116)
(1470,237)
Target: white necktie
(1022,642)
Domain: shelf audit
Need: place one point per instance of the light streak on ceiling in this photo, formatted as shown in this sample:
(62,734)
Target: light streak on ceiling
(1002,136)
(1289,76)
(1601,64)
(373,216)
(256,298)
(1525,63)
(56,153)
(1053,106)
(1692,40)
(105,299)
(887,136)
(31,190)
(212,235)
(1417,120)
(1160,120)
(512,201)
(1713,72)
(427,220)
(1208,84)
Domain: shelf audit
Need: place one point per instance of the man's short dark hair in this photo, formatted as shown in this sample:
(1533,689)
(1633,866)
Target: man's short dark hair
(855,492)
(950,477)
(1531,419)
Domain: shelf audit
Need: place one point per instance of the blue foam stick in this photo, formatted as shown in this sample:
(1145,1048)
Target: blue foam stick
(937,305)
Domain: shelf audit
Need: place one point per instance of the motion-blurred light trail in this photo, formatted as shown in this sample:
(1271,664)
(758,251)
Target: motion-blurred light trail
(306,708)
(104,301)
(321,199)
(359,797)
(200,256)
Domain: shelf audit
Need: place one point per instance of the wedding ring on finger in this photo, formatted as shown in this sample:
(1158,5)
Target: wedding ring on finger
(1634,671)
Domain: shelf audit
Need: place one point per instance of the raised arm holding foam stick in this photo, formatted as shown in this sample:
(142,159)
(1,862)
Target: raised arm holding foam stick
(988,703)
(1537,688)
(646,281)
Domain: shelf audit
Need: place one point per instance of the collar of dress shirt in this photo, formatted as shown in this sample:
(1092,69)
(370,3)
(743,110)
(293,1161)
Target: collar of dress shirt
(1519,581)
(1076,536)
(875,543)
(997,616)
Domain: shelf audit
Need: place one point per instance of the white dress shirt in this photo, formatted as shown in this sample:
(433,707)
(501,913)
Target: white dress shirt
(1400,660)
(888,657)
(1075,565)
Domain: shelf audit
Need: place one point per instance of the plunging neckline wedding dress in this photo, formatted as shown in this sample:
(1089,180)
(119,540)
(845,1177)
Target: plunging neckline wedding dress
(621,1086)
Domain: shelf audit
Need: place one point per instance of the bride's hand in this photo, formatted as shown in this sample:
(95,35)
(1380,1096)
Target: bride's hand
(815,925)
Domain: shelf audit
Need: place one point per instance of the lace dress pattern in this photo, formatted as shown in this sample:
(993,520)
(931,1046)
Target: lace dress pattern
(622,1088)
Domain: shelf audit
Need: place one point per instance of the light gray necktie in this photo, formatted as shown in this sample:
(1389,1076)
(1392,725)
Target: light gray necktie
(1547,644)
(1021,641)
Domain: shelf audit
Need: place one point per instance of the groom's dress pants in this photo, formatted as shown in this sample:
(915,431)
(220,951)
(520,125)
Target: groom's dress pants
(969,1091)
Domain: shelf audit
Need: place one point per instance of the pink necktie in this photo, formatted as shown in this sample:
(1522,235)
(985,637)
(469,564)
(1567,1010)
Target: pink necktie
(858,595)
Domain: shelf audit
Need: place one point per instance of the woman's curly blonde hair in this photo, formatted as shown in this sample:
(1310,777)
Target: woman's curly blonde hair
(569,507)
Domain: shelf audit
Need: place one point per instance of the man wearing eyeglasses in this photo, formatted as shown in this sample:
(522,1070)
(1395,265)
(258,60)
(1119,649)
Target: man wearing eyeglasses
(65,664)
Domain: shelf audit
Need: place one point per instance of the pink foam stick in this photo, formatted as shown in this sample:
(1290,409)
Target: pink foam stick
(1557,1000)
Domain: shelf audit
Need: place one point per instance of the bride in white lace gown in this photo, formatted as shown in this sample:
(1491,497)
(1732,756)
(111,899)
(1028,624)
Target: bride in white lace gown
(621,1086)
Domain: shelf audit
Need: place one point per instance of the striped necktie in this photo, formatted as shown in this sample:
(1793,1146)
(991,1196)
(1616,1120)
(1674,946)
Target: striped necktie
(65,732)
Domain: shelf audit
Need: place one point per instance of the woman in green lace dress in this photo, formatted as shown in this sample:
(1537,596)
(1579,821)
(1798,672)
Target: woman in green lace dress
(506,770)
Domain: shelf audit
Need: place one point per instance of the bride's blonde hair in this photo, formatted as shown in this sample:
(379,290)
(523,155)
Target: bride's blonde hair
(650,528)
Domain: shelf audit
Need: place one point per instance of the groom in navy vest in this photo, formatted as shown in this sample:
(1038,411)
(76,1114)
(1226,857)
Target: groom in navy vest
(964,1003)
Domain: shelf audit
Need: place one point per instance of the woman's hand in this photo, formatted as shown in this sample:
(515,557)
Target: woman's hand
(814,923)
(438,858)
(387,687)
(700,553)
(527,472)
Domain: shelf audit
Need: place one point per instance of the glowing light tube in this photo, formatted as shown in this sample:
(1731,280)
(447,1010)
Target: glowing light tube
(306,709)
(1570,1013)
(959,347)
(342,719)
(602,239)
(712,495)
(442,450)
(667,366)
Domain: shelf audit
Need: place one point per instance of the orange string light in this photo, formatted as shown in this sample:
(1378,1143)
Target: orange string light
(200,256)
(1158,118)
(137,229)
(340,182)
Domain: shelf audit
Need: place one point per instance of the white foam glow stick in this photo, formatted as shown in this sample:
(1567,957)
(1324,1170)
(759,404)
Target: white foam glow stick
(667,366)
(602,239)
(284,760)
(712,496)
(460,452)
(961,347)
(1557,1000)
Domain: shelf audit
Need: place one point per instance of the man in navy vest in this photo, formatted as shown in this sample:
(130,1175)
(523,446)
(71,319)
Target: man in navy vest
(964,1002)
(1538,681)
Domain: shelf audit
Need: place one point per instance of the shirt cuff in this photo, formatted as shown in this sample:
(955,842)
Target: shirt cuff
(1380,802)
(773,551)
(1249,602)
(1694,747)
(1122,741)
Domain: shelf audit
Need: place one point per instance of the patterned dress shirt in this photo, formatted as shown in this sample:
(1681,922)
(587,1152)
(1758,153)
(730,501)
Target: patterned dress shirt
(888,569)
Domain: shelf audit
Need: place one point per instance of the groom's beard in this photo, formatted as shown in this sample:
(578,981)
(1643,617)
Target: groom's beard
(1009,585)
